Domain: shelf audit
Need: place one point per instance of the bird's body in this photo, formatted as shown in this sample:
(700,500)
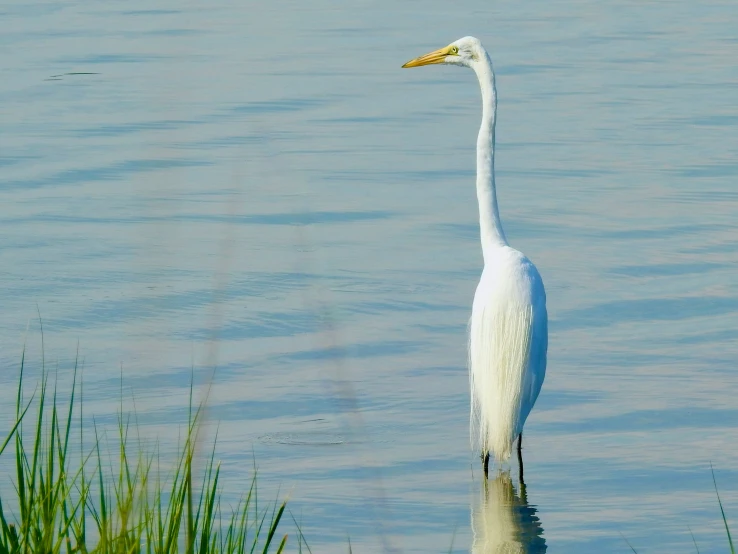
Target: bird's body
(508,330)
(507,349)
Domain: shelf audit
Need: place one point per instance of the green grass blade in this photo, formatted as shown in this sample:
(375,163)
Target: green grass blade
(15,426)
(300,537)
(697,548)
(722,511)
(70,412)
(19,394)
(282,545)
(628,543)
(273,527)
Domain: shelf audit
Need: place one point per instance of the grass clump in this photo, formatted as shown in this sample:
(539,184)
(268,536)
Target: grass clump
(121,503)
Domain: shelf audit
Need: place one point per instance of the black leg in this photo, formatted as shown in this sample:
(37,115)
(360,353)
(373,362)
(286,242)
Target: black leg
(485,461)
(520,464)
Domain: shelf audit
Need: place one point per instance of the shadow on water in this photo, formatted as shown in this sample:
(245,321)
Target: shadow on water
(503,521)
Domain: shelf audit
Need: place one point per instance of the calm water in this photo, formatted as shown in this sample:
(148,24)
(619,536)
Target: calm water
(259,187)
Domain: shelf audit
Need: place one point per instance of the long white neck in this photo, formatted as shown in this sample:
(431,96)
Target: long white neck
(490,226)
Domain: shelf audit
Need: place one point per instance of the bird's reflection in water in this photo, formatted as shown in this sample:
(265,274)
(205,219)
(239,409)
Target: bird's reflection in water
(502,520)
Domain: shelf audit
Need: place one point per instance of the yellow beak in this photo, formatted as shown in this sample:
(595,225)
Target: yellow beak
(437,56)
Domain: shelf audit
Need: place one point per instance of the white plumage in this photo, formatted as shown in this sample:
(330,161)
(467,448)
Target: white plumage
(507,349)
(508,330)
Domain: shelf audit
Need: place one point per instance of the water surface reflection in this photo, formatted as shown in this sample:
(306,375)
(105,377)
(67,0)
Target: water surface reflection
(503,521)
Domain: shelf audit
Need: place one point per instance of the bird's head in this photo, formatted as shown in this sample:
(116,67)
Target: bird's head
(466,52)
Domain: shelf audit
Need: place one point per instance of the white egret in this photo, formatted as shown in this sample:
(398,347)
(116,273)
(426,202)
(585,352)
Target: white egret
(508,330)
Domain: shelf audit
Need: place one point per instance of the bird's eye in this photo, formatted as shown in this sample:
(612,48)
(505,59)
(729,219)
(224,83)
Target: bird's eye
(454,49)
